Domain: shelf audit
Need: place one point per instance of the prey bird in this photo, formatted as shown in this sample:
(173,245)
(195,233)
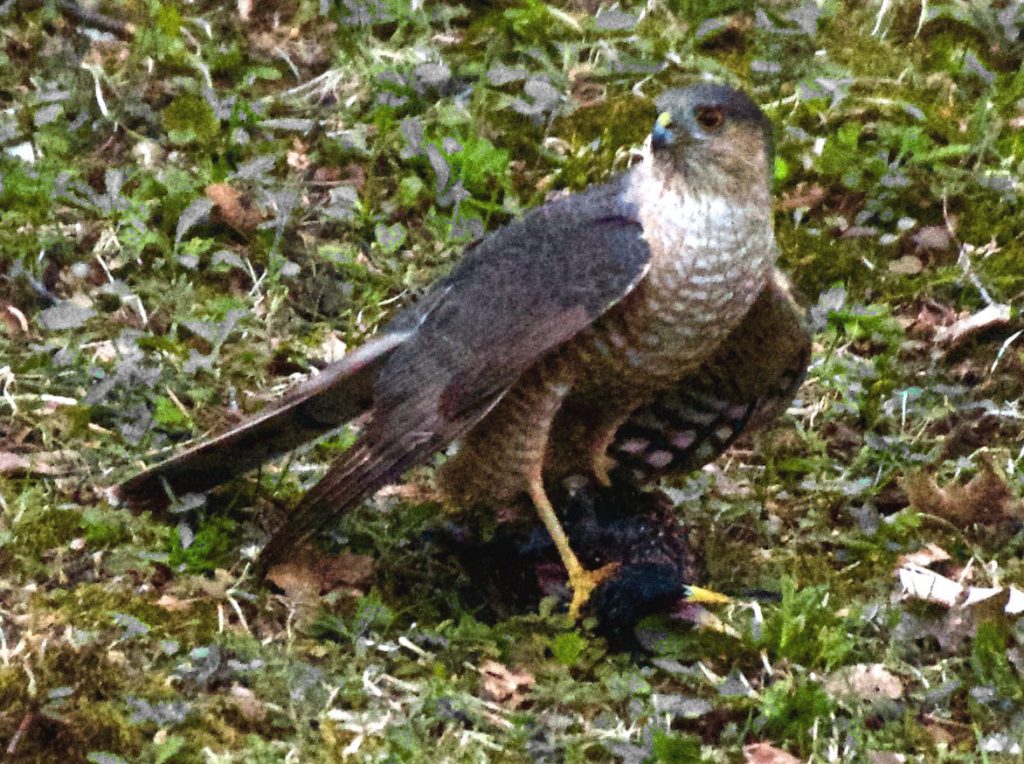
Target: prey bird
(634,328)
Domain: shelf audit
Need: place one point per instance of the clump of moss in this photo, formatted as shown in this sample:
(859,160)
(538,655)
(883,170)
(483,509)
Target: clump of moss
(190,119)
(215,545)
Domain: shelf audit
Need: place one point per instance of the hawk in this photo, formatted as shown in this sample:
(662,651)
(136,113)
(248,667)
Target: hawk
(633,328)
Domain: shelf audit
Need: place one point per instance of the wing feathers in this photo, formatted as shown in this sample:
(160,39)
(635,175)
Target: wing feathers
(355,475)
(339,393)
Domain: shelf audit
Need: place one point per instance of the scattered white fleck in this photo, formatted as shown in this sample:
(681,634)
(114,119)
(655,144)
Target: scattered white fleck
(23,151)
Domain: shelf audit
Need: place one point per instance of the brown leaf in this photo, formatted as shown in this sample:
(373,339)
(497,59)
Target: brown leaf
(13,320)
(932,238)
(309,574)
(930,316)
(298,156)
(354,570)
(503,685)
(766,753)
(985,499)
(908,265)
(804,195)
(233,208)
(351,174)
(173,604)
(249,706)
(13,465)
(299,580)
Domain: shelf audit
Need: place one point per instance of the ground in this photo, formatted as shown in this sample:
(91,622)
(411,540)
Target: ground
(209,199)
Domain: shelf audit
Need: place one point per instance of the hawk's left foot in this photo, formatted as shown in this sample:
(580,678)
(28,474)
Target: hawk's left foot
(583,583)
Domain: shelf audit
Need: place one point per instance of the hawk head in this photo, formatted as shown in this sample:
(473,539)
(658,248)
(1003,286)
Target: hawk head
(715,137)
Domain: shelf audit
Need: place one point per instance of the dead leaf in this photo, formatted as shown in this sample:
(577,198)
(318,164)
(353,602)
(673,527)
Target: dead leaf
(930,316)
(804,195)
(333,348)
(46,463)
(923,584)
(173,604)
(885,757)
(939,735)
(298,156)
(929,555)
(353,570)
(766,753)
(310,574)
(926,585)
(13,319)
(301,586)
(505,686)
(932,238)
(986,499)
(13,465)
(249,706)
(233,208)
(988,317)
(908,265)
(865,681)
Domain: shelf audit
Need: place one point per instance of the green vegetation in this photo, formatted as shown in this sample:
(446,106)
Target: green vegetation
(196,210)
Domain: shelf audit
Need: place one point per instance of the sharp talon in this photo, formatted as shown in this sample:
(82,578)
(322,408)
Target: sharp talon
(583,583)
(601,466)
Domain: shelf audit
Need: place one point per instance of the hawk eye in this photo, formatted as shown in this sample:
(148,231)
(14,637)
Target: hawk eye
(709,117)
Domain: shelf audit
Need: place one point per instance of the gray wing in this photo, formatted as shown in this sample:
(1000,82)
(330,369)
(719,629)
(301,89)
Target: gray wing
(746,383)
(525,289)
(515,297)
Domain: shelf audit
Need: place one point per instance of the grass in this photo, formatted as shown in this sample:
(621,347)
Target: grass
(196,212)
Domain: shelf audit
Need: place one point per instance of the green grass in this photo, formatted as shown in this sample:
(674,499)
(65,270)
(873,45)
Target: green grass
(128,638)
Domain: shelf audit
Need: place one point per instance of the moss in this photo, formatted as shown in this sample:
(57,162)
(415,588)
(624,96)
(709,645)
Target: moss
(189,118)
(790,710)
(817,260)
(44,527)
(856,108)
(96,607)
(105,528)
(215,545)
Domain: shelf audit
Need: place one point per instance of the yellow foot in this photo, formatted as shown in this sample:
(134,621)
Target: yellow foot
(583,583)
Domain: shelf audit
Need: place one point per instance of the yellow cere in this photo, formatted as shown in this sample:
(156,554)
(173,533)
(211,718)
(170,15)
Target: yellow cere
(664,119)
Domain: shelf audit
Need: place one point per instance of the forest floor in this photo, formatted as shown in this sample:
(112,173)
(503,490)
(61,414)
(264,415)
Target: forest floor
(201,203)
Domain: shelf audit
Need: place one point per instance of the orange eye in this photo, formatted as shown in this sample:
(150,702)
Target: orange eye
(709,117)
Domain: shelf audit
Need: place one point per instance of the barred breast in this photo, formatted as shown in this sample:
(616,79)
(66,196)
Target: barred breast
(710,258)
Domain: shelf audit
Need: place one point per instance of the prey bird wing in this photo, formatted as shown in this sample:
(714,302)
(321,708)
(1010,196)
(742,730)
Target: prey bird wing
(748,381)
(443,364)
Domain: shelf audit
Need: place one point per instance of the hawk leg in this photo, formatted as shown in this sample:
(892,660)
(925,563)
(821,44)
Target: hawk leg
(582,581)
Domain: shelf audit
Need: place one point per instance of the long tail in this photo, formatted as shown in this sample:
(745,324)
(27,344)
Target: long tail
(341,392)
(371,463)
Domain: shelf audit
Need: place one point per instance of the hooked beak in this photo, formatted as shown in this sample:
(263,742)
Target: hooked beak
(661,134)
(705,596)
